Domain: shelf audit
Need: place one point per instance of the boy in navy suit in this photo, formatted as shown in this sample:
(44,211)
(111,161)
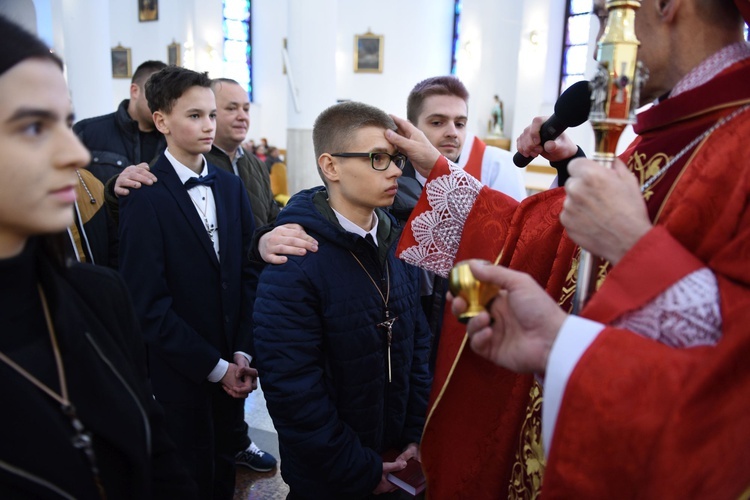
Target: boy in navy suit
(183,255)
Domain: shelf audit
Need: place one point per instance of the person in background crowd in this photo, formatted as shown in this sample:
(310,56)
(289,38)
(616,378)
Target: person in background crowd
(127,136)
(439,107)
(273,156)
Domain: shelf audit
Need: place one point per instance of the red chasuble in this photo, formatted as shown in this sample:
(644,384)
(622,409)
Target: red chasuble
(473,444)
(639,419)
(663,422)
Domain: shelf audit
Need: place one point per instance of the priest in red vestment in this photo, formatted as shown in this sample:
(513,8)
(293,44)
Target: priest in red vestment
(646,394)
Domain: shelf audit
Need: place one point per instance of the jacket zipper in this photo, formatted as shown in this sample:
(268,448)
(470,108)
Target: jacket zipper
(130,391)
(35,479)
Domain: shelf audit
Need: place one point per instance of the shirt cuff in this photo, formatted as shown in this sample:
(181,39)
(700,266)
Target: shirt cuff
(247,356)
(420,178)
(575,336)
(219,371)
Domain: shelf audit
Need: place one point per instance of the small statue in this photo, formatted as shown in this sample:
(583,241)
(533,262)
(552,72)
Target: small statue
(496,123)
(599,88)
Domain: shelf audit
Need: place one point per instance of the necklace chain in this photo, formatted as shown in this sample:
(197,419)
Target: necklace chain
(61,398)
(721,122)
(82,439)
(210,228)
(92,200)
(387,324)
(387,295)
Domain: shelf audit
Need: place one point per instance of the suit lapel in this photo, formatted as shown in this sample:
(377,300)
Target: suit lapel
(172,183)
(223,211)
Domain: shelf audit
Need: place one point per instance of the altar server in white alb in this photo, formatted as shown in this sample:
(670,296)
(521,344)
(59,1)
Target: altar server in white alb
(439,107)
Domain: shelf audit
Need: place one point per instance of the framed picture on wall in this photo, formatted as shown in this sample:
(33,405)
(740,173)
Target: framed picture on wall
(174,56)
(148,10)
(121,67)
(368,53)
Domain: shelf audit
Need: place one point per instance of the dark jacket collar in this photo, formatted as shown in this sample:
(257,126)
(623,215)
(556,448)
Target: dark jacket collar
(310,209)
(123,119)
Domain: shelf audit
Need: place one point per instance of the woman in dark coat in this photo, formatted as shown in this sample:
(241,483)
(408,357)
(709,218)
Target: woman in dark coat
(77,420)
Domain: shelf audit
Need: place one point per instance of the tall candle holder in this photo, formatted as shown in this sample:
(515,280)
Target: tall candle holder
(615,92)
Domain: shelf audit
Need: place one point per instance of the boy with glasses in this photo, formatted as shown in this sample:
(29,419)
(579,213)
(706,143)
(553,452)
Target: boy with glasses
(340,338)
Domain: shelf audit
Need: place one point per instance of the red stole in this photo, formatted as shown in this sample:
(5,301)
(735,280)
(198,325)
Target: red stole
(476,156)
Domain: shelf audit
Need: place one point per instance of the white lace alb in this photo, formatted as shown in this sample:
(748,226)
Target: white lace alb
(687,314)
(438,230)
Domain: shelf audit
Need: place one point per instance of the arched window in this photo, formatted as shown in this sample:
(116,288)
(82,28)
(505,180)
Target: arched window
(238,60)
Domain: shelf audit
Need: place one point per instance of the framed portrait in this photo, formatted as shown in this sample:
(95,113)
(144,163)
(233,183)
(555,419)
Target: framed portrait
(368,53)
(174,56)
(121,67)
(148,10)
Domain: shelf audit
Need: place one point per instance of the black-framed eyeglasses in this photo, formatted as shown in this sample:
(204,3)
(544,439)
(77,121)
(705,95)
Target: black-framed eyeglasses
(378,161)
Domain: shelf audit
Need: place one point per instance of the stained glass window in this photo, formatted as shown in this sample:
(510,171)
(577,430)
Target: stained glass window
(456,32)
(575,44)
(238,60)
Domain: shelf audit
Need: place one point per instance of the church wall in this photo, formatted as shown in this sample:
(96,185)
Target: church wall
(496,54)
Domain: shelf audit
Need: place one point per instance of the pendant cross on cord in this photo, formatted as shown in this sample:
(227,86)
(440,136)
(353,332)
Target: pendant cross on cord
(388,325)
(210,229)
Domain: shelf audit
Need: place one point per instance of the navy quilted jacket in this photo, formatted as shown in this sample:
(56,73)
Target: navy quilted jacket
(323,360)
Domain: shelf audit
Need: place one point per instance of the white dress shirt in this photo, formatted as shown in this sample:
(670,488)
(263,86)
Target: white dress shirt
(205,206)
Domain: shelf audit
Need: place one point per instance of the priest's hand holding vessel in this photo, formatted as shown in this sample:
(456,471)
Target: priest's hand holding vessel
(477,294)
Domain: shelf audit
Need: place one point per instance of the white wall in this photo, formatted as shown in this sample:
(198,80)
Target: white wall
(85,54)
(269,109)
(536,79)
(488,58)
(410,31)
(184,22)
(417,44)
(495,54)
(22,12)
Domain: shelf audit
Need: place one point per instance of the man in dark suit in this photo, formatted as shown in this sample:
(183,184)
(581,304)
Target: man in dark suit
(184,242)
(126,136)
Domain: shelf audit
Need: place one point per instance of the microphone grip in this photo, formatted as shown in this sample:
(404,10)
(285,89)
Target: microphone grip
(549,131)
(521,161)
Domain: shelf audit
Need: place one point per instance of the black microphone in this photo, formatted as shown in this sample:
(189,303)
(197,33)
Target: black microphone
(571,109)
